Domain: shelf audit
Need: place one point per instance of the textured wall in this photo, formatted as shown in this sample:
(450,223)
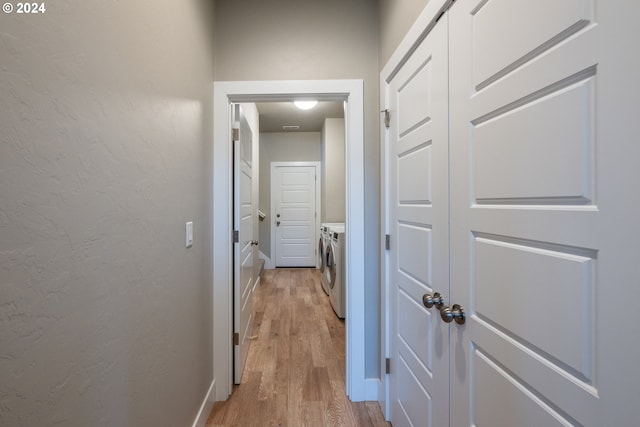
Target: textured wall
(105,152)
(315,40)
(396,17)
(281,147)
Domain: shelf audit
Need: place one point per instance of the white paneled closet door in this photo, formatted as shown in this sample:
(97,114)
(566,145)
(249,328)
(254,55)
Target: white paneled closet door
(512,175)
(543,154)
(419,222)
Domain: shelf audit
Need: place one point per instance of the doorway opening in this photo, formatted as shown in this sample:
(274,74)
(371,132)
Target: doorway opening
(292,207)
(225,94)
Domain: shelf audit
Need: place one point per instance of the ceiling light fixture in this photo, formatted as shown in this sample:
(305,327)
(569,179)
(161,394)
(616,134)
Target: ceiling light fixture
(305,105)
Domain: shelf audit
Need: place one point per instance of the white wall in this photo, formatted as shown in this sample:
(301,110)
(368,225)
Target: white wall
(281,147)
(333,173)
(105,153)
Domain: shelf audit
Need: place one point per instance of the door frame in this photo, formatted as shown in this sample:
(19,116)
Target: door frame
(316,227)
(416,34)
(225,93)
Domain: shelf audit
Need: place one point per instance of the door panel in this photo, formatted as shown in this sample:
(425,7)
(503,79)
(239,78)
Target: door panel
(516,144)
(415,165)
(539,223)
(295,227)
(503,297)
(418,164)
(414,99)
(507,33)
(519,406)
(243,249)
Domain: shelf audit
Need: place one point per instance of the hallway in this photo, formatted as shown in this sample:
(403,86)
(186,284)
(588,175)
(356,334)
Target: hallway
(295,371)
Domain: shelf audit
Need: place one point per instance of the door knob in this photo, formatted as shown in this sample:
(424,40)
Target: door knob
(278,223)
(453,313)
(430,300)
(254,243)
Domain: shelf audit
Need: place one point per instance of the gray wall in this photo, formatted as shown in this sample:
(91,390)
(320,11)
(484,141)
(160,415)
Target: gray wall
(333,172)
(281,147)
(396,17)
(105,152)
(310,39)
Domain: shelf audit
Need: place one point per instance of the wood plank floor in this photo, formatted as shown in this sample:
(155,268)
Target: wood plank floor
(295,371)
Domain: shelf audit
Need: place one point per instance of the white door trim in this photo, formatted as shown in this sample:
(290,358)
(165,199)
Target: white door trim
(316,235)
(224,93)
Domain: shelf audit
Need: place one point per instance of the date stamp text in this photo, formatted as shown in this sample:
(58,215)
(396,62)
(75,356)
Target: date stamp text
(24,8)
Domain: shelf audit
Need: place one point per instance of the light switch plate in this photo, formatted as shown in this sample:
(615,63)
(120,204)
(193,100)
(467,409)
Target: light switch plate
(189,234)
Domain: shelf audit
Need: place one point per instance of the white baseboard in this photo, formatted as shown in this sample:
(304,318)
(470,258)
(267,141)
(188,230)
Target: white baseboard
(372,389)
(205,408)
(268,264)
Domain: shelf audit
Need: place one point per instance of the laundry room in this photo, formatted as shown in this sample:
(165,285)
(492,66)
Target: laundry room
(301,197)
(291,137)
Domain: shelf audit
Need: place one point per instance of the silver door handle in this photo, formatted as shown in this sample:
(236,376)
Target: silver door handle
(453,313)
(277,223)
(429,300)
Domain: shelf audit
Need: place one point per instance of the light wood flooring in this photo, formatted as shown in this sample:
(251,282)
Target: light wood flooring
(295,370)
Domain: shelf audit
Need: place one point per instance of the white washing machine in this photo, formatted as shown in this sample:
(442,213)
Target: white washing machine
(323,247)
(336,272)
(321,262)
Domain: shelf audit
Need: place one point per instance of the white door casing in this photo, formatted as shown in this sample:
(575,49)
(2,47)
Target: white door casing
(224,93)
(543,248)
(295,201)
(243,258)
(419,223)
(541,142)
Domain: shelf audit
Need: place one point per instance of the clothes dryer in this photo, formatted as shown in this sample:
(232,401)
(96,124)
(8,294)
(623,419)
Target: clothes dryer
(321,263)
(323,246)
(336,270)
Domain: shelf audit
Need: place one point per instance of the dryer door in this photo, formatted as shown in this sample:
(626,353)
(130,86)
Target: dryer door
(321,254)
(330,270)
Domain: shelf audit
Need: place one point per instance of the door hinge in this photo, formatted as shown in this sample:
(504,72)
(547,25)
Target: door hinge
(387,118)
(236,339)
(236,236)
(387,368)
(387,242)
(235,134)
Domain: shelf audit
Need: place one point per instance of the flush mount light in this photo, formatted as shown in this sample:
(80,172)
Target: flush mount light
(305,105)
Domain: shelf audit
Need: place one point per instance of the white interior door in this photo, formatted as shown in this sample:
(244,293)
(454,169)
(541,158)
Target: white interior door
(295,204)
(243,259)
(419,228)
(544,237)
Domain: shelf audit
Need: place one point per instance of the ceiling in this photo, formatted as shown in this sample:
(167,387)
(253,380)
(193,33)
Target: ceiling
(275,115)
